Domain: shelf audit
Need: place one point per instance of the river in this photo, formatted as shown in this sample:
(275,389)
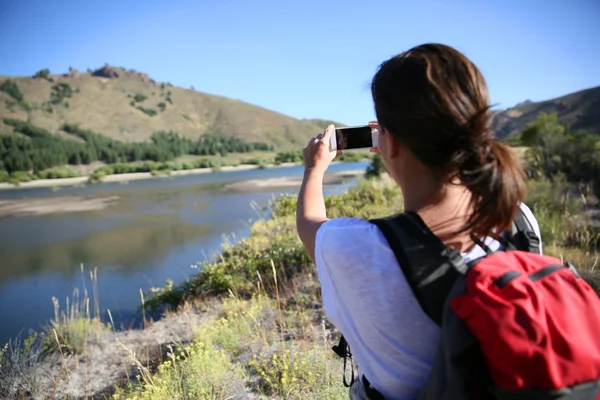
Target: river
(154,229)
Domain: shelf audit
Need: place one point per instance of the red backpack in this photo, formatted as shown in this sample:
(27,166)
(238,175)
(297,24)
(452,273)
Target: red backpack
(515,324)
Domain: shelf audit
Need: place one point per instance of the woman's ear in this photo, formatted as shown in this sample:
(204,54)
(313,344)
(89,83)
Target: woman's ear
(394,146)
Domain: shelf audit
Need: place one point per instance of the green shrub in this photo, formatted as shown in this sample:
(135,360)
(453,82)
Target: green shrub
(60,91)
(289,156)
(148,111)
(300,373)
(57,173)
(42,73)
(10,88)
(376,168)
(139,97)
(20,176)
(354,156)
(162,106)
(554,203)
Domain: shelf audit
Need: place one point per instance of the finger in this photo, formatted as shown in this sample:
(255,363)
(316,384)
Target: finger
(373,124)
(320,136)
(328,132)
(374,150)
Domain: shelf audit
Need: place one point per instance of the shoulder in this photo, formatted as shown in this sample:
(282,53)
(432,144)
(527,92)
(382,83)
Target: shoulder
(347,231)
(349,243)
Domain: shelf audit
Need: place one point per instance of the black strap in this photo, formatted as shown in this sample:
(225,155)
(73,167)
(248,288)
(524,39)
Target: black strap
(523,236)
(343,351)
(428,265)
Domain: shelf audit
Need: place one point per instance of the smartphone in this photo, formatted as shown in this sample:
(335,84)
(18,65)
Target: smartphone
(354,138)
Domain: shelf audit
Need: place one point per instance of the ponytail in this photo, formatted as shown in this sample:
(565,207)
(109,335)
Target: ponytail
(496,180)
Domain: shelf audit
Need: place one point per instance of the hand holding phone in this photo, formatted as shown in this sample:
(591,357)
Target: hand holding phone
(363,137)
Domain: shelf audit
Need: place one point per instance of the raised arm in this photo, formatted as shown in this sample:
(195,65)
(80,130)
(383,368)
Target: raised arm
(310,211)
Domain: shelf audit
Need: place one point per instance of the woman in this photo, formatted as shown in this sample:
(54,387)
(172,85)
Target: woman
(432,109)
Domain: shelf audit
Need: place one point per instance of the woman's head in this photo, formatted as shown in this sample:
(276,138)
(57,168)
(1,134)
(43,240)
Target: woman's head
(434,101)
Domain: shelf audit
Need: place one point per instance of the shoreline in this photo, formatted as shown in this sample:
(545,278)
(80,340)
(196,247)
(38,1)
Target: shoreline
(122,178)
(75,203)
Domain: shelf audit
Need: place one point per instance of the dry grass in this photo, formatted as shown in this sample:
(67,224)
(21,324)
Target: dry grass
(103,105)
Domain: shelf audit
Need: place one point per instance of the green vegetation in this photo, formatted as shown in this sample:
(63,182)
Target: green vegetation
(60,91)
(376,168)
(555,149)
(33,149)
(139,97)
(42,74)
(10,88)
(162,106)
(148,111)
(295,156)
(156,168)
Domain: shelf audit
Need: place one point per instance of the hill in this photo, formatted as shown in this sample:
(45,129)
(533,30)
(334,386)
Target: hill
(129,106)
(580,110)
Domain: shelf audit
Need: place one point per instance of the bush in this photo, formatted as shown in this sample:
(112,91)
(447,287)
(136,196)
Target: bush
(289,156)
(354,156)
(60,91)
(148,111)
(42,73)
(376,168)
(162,106)
(300,373)
(57,173)
(139,97)
(10,88)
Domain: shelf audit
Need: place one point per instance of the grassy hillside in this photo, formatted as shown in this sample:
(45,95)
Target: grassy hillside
(129,106)
(580,110)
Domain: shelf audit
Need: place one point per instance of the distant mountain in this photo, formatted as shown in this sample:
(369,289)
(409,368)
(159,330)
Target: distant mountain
(130,106)
(581,110)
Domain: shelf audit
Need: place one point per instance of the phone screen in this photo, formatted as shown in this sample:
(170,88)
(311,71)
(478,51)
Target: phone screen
(354,138)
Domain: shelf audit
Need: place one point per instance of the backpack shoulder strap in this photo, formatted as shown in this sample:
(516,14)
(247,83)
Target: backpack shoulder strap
(522,236)
(428,265)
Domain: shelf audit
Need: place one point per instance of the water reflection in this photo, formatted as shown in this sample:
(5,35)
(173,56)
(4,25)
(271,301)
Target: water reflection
(156,230)
(129,246)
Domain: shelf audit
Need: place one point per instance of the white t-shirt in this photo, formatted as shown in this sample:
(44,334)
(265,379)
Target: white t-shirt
(366,296)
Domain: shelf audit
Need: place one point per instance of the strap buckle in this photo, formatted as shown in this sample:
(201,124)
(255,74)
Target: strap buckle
(455,259)
(532,238)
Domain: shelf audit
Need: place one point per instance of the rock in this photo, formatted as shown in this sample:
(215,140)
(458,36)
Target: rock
(107,72)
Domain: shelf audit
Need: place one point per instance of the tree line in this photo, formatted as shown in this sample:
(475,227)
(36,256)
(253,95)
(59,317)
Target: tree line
(35,149)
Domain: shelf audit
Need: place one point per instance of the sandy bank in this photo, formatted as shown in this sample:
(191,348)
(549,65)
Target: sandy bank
(82,180)
(53,205)
(333,178)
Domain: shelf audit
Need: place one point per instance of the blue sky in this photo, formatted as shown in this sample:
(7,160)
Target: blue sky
(307,58)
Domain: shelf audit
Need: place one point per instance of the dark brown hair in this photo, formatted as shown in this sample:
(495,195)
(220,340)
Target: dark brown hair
(435,101)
